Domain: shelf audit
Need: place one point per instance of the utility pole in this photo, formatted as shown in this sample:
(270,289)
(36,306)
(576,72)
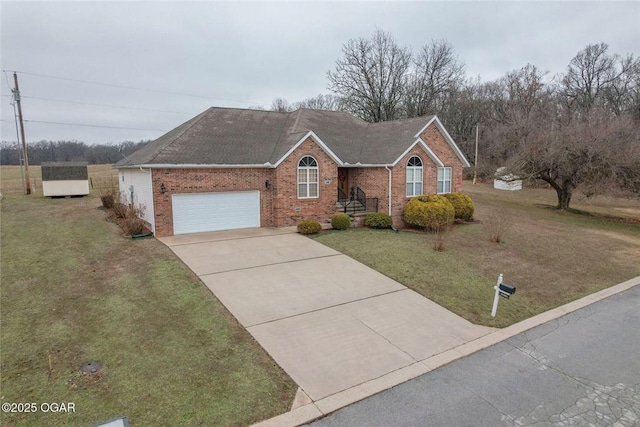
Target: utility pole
(475,162)
(16,94)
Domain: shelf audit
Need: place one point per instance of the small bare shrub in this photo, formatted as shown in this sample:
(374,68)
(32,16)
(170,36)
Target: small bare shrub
(120,210)
(131,219)
(133,226)
(108,190)
(496,224)
(442,231)
(108,200)
(136,211)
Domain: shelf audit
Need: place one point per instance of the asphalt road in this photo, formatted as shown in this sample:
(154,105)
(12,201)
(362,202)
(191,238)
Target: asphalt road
(581,369)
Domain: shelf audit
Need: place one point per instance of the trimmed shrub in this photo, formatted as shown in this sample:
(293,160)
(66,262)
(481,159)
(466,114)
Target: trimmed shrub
(429,212)
(378,220)
(462,204)
(309,226)
(340,221)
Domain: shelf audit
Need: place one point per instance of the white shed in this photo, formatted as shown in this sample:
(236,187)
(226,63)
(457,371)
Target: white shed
(65,179)
(506,181)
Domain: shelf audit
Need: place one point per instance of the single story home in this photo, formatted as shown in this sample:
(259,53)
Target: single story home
(234,168)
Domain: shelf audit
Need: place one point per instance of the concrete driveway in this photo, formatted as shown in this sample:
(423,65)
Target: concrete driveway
(329,321)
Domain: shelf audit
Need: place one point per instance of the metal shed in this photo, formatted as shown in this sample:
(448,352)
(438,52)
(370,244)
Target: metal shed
(65,179)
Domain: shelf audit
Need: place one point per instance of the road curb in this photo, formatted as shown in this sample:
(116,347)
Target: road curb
(315,410)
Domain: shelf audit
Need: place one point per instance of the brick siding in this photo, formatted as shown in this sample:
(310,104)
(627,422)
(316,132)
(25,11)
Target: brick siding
(210,180)
(374,180)
(288,208)
(438,144)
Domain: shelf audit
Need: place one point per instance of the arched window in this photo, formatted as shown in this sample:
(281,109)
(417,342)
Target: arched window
(307,178)
(414,176)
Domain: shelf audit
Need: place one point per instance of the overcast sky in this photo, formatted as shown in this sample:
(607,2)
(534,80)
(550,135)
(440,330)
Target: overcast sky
(245,54)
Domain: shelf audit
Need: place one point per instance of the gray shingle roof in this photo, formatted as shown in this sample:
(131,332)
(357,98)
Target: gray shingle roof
(226,136)
(64,171)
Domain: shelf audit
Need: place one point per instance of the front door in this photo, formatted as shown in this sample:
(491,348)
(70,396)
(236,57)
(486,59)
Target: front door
(343,181)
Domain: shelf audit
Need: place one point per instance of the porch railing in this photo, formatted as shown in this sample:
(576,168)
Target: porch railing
(358,202)
(342,196)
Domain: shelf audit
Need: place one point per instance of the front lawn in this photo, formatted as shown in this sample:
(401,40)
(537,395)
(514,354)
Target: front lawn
(73,290)
(551,257)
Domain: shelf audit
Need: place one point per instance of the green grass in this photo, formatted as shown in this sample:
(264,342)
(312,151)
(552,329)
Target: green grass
(74,290)
(551,257)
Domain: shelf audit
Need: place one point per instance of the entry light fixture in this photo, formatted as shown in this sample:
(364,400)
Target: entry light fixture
(267,184)
(163,189)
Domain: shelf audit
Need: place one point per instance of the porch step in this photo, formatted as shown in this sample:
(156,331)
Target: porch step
(351,205)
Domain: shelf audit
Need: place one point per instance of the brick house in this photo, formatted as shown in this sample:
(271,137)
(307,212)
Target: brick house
(233,168)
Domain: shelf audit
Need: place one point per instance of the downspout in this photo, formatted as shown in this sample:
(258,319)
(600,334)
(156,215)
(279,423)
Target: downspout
(389,192)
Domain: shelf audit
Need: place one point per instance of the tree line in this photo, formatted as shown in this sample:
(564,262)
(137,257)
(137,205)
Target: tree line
(579,129)
(66,151)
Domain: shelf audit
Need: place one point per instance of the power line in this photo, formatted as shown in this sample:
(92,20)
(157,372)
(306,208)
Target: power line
(88,125)
(129,87)
(85,125)
(106,105)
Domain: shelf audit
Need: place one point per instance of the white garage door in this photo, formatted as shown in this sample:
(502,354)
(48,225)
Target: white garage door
(194,213)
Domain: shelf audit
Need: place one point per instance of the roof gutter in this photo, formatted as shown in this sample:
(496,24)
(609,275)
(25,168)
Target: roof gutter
(195,166)
(228,166)
(365,165)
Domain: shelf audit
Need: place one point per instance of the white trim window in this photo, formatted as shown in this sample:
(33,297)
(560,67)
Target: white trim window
(414,176)
(308,178)
(444,180)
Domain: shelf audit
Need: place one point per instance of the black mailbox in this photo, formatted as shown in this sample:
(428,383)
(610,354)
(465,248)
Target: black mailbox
(506,290)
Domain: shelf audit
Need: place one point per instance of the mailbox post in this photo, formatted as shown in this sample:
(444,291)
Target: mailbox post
(502,290)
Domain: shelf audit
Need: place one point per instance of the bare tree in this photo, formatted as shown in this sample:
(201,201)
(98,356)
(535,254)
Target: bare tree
(320,102)
(370,77)
(467,107)
(594,77)
(60,151)
(437,74)
(622,96)
(517,105)
(525,89)
(596,153)
(281,105)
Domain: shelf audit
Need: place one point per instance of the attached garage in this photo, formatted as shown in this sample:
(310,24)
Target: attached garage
(199,212)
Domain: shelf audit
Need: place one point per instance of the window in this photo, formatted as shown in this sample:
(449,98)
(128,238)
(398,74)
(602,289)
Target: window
(307,178)
(444,180)
(414,177)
